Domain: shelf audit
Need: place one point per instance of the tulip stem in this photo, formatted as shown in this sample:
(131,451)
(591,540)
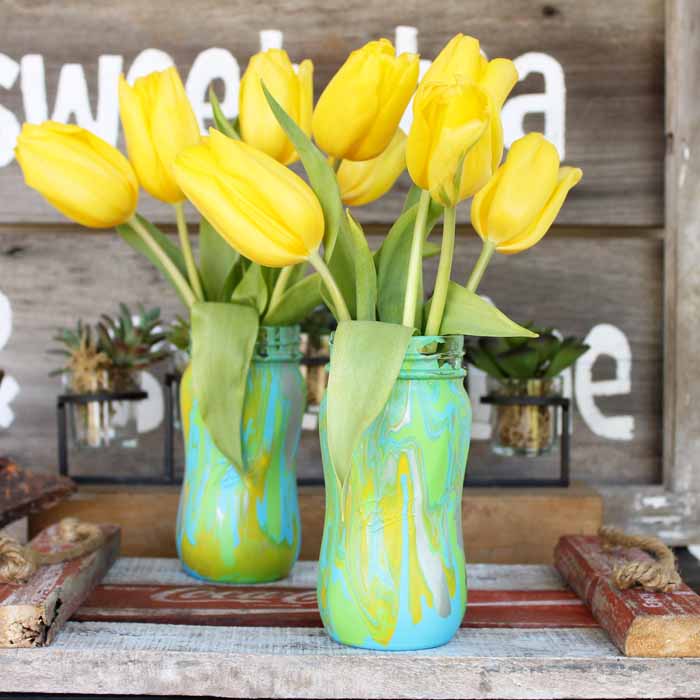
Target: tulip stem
(192,273)
(442,281)
(168,265)
(487,250)
(341,308)
(415,261)
(280,286)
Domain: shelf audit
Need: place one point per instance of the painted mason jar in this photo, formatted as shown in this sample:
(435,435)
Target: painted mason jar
(392,573)
(236,529)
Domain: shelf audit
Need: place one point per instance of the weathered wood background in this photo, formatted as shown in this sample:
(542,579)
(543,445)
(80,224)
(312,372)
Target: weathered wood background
(596,87)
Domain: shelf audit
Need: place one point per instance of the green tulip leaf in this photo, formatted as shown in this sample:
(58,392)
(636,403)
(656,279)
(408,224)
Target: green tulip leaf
(220,120)
(431,250)
(342,267)
(466,313)
(163,242)
(223,342)
(569,351)
(252,289)
(392,265)
(520,363)
(365,362)
(216,259)
(365,274)
(319,171)
(297,302)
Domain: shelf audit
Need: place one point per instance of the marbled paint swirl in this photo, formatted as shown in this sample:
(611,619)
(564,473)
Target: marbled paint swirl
(392,573)
(244,529)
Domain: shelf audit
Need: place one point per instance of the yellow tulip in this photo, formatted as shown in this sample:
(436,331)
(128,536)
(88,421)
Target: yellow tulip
(158,123)
(359,111)
(78,173)
(521,201)
(363,181)
(262,209)
(450,127)
(294,91)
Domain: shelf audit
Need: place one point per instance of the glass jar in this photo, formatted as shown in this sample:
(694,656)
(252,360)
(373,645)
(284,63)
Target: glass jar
(521,429)
(246,529)
(392,570)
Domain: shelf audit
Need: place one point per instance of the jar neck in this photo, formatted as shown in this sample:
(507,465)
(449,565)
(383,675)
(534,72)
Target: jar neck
(278,344)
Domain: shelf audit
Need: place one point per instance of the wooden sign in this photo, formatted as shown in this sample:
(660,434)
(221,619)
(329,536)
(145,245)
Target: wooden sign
(641,623)
(32,614)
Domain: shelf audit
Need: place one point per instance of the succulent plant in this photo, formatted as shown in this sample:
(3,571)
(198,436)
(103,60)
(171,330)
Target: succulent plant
(178,334)
(544,357)
(318,323)
(86,363)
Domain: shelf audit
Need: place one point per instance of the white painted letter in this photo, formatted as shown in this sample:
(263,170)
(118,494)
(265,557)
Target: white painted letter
(33,82)
(406,40)
(9,125)
(146,62)
(9,387)
(605,339)
(271,39)
(208,66)
(551,102)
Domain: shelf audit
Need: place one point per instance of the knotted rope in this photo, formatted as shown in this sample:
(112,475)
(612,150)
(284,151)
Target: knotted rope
(19,563)
(659,576)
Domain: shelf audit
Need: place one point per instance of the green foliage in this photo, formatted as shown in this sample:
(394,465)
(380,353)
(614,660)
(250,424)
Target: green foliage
(318,323)
(216,261)
(298,300)
(541,357)
(220,120)
(178,334)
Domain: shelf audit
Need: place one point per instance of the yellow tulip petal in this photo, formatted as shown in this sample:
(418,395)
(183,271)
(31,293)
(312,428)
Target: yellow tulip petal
(499,78)
(306,95)
(481,204)
(529,178)
(460,57)
(568,177)
(362,182)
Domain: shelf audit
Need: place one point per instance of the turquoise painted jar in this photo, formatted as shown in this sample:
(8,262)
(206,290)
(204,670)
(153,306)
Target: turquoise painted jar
(235,529)
(391,571)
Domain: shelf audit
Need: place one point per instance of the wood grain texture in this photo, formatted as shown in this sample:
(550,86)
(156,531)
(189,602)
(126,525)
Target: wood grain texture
(143,659)
(32,614)
(496,522)
(559,283)
(611,55)
(23,492)
(639,622)
(682,300)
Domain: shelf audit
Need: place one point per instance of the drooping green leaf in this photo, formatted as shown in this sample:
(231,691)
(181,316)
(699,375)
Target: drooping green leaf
(392,268)
(223,341)
(320,173)
(220,120)
(342,267)
(569,351)
(168,247)
(466,313)
(365,274)
(520,363)
(297,302)
(233,278)
(216,259)
(365,363)
(412,198)
(252,289)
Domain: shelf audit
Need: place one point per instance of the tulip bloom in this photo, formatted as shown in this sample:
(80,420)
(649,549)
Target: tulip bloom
(158,123)
(78,173)
(361,182)
(294,92)
(451,128)
(521,201)
(262,209)
(359,111)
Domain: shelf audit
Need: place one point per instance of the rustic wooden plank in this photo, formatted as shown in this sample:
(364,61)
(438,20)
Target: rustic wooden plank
(249,662)
(23,492)
(32,614)
(496,522)
(682,273)
(610,56)
(486,577)
(640,623)
(281,606)
(615,298)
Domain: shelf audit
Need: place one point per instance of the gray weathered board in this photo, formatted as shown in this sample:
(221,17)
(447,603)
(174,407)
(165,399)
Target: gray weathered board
(558,284)
(604,74)
(145,659)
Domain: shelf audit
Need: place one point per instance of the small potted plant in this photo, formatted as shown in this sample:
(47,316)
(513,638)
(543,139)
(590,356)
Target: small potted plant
(527,368)
(106,359)
(315,344)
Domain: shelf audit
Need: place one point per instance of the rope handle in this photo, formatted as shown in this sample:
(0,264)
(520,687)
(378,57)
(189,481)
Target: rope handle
(658,576)
(18,563)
